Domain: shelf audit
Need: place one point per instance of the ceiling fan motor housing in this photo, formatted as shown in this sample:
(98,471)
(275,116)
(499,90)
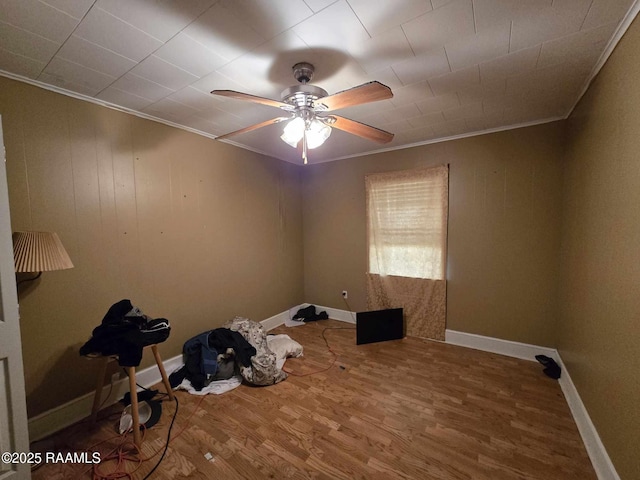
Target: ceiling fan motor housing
(303,72)
(303,95)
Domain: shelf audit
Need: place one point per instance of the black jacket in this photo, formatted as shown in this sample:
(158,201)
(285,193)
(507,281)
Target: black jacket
(200,354)
(125,331)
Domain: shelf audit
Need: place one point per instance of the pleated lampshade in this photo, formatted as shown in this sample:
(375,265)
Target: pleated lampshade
(39,252)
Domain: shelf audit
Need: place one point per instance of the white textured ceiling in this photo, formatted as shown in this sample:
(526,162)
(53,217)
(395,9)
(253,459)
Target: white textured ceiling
(456,67)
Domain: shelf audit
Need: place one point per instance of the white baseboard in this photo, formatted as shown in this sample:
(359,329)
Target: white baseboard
(595,449)
(278,319)
(496,345)
(337,314)
(333,313)
(600,459)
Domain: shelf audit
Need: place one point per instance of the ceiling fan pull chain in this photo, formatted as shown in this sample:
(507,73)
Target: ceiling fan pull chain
(304,146)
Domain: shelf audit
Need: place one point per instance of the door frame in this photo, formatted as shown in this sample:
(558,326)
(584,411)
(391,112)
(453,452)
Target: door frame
(14,432)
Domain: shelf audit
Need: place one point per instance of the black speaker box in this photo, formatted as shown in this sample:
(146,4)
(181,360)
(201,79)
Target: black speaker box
(379,326)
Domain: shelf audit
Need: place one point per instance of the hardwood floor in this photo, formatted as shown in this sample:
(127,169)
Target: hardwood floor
(406,409)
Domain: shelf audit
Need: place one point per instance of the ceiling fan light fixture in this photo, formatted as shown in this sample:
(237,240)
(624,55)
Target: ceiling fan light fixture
(317,133)
(293,131)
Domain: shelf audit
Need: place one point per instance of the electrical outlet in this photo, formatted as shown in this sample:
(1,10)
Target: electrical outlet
(345,295)
(115,377)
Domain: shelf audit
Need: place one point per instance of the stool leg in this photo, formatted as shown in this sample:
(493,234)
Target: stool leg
(99,383)
(131,371)
(163,374)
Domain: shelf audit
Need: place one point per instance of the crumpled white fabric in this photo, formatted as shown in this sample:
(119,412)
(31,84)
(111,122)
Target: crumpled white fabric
(217,387)
(284,347)
(289,322)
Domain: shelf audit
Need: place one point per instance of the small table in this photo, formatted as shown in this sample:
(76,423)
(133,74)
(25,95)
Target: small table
(131,372)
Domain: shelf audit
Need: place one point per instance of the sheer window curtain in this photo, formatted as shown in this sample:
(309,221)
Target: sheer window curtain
(407,240)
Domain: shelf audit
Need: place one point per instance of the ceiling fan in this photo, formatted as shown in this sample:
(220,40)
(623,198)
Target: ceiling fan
(308,108)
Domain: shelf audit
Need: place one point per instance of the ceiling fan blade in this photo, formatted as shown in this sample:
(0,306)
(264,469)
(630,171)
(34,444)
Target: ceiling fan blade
(253,127)
(360,129)
(365,93)
(252,98)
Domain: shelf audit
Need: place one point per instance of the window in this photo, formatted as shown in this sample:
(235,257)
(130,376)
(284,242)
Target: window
(407,222)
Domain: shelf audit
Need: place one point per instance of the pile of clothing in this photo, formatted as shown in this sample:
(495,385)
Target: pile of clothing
(212,356)
(308,314)
(238,349)
(264,368)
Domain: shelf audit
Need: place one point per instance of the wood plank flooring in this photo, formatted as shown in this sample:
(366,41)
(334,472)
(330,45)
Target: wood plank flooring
(406,409)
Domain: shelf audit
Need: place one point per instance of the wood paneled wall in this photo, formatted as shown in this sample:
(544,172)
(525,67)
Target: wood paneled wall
(599,328)
(504,230)
(188,228)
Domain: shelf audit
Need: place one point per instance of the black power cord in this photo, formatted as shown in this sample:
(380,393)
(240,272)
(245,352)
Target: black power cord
(166,446)
(175,414)
(349,308)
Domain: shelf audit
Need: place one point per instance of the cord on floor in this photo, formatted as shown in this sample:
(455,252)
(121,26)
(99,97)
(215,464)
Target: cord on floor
(335,355)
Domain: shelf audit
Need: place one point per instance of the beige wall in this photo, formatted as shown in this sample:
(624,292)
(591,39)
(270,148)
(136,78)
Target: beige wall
(599,337)
(504,227)
(186,227)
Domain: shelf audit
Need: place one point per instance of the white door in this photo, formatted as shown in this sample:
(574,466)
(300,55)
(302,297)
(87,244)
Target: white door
(14,434)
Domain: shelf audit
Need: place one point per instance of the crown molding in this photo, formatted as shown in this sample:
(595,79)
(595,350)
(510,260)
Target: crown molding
(624,25)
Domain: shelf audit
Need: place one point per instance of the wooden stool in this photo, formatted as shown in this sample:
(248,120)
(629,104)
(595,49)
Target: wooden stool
(131,372)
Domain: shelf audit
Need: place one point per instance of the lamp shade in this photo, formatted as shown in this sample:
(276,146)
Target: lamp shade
(39,252)
(293,132)
(317,133)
